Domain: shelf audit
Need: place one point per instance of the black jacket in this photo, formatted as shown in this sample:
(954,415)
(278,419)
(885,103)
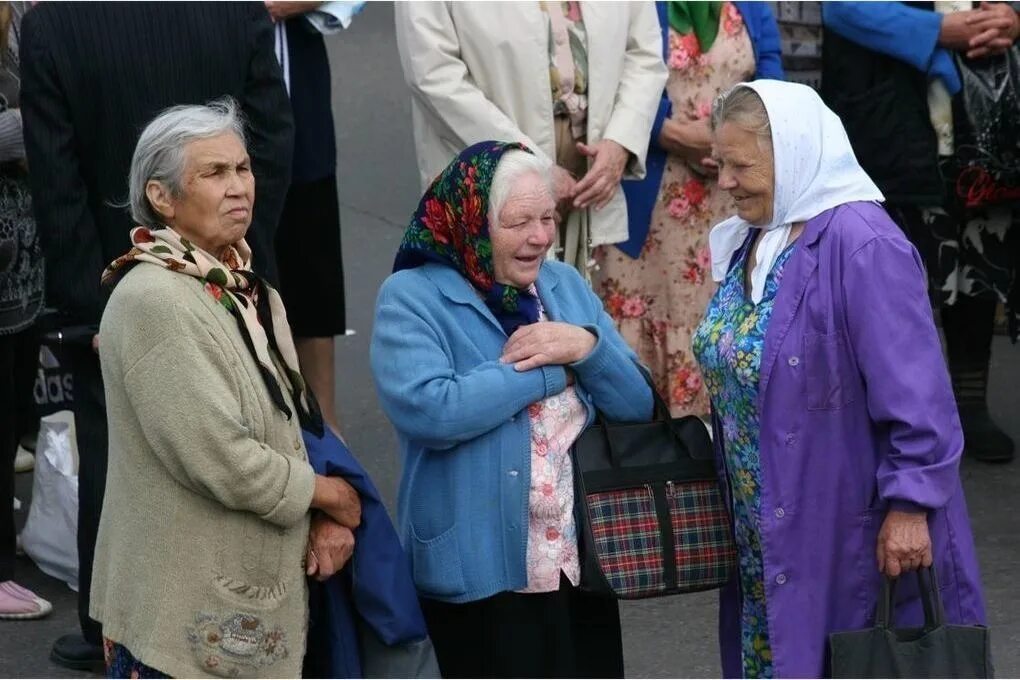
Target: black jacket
(883,103)
(93,75)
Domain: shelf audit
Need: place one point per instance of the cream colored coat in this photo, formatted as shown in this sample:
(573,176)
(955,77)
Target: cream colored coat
(198,567)
(480,70)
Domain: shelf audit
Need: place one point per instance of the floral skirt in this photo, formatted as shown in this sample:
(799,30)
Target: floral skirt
(120,663)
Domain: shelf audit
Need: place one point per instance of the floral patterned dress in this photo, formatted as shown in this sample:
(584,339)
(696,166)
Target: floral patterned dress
(658,299)
(728,345)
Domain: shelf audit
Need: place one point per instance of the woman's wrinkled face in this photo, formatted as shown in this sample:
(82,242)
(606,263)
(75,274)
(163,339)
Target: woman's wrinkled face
(746,171)
(214,208)
(523,232)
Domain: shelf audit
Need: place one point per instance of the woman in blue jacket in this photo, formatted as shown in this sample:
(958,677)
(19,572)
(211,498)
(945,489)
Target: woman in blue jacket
(657,284)
(490,361)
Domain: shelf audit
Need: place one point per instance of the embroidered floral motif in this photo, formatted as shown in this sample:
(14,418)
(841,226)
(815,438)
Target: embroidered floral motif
(228,646)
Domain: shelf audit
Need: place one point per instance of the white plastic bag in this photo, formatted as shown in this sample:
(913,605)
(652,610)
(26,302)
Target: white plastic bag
(51,530)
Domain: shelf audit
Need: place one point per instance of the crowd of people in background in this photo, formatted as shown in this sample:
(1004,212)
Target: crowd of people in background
(761,211)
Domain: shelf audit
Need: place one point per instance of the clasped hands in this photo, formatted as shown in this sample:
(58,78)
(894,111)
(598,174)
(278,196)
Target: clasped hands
(986,31)
(331,536)
(600,183)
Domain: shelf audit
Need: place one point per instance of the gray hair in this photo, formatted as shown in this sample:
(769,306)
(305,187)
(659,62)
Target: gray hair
(742,106)
(159,155)
(512,166)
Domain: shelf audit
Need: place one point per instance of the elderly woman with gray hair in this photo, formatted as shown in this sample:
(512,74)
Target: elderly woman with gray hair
(201,557)
(490,361)
(835,425)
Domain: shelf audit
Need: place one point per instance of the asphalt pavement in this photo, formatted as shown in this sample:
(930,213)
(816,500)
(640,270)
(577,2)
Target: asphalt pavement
(671,637)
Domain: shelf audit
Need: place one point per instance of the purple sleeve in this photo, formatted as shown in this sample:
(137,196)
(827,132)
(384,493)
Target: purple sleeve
(900,358)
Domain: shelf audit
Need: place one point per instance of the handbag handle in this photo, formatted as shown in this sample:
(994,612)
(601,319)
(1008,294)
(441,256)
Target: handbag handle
(660,414)
(931,600)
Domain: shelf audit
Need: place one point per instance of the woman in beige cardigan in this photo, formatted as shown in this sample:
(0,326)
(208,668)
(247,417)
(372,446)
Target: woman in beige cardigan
(578,83)
(204,540)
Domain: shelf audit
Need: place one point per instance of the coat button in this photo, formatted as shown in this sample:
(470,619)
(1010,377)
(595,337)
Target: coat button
(512,473)
(781,579)
(513,419)
(793,361)
(297,444)
(780,513)
(790,438)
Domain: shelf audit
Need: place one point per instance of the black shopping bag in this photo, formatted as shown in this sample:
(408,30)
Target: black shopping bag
(936,650)
(985,167)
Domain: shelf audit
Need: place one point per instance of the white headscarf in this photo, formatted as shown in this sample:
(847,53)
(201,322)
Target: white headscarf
(815,169)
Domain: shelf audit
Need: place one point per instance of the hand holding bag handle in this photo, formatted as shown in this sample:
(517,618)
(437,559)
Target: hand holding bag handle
(931,601)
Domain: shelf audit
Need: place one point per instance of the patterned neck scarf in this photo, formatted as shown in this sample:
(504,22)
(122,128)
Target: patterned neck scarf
(698,17)
(451,227)
(255,305)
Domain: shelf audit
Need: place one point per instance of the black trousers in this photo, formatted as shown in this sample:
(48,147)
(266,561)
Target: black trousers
(90,424)
(19,361)
(564,634)
(310,260)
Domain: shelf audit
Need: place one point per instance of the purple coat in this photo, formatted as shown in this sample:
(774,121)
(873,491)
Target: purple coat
(857,416)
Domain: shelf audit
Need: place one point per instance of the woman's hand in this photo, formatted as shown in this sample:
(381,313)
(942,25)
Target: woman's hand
(280,10)
(689,139)
(330,545)
(903,543)
(547,343)
(602,180)
(338,499)
(997,25)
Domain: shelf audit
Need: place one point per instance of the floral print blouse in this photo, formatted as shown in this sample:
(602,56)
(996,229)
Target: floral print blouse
(552,533)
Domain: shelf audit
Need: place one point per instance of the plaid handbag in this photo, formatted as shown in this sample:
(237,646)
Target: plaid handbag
(651,519)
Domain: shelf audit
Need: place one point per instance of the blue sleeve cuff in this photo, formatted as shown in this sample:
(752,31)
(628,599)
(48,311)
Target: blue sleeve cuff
(595,362)
(555,379)
(664,112)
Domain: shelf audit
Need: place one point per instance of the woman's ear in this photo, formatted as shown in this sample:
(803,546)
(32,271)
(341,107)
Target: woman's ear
(160,199)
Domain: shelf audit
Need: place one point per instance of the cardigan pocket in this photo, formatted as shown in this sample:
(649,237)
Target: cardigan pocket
(436,563)
(829,378)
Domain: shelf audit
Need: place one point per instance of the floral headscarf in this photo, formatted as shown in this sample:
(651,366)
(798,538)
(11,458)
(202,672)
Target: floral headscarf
(451,227)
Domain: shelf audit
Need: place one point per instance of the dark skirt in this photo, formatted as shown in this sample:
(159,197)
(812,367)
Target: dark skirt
(564,634)
(970,253)
(310,260)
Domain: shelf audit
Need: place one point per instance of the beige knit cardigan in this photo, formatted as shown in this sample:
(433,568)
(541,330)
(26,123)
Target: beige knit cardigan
(199,560)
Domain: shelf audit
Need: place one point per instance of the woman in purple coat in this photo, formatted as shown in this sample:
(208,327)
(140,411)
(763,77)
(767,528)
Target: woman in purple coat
(834,419)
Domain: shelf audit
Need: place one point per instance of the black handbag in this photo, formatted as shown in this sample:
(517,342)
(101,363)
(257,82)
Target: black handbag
(985,167)
(936,650)
(651,519)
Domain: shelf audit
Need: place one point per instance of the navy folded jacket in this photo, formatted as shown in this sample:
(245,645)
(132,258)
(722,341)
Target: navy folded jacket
(374,593)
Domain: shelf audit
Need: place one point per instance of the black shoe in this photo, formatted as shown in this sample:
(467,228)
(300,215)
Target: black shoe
(983,440)
(75,652)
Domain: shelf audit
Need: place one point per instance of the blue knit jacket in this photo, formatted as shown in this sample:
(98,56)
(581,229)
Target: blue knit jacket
(461,418)
(642,194)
